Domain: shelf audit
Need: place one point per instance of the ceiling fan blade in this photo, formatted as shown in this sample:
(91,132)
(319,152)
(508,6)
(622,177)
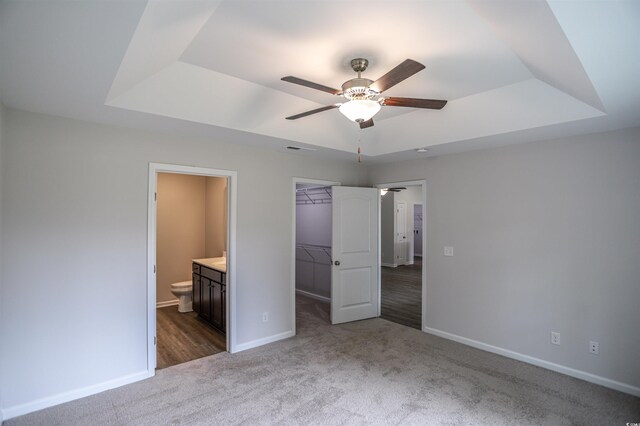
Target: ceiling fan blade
(306,83)
(313,111)
(365,124)
(403,71)
(414,103)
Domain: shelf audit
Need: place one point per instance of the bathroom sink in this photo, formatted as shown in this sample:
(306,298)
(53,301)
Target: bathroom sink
(219,263)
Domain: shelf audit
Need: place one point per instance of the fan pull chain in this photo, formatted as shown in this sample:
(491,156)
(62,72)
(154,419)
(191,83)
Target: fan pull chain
(359,149)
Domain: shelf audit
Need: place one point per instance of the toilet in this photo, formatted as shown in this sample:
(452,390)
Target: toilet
(183,291)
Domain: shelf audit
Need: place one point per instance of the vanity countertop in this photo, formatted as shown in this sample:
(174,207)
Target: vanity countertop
(217,263)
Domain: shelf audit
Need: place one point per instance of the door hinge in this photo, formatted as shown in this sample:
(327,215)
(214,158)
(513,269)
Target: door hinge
(155,196)
(154,269)
(155,340)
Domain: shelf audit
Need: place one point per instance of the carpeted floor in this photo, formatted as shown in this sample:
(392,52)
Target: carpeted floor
(361,373)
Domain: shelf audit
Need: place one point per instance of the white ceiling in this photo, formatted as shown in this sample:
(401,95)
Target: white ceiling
(513,71)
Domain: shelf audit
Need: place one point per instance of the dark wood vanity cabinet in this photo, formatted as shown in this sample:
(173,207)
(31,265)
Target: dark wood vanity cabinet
(209,296)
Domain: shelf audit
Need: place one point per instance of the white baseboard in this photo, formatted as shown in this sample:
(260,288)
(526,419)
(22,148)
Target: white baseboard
(389,265)
(313,296)
(259,342)
(50,401)
(588,377)
(167,303)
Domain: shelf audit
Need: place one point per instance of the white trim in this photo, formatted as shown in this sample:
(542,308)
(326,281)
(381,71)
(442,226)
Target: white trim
(423,184)
(313,296)
(232,196)
(389,265)
(50,401)
(263,341)
(579,374)
(167,303)
(295,181)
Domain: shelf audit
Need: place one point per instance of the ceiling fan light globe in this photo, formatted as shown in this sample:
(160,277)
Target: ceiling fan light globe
(360,110)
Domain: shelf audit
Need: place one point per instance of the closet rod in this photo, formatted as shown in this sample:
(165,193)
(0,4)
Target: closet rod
(315,188)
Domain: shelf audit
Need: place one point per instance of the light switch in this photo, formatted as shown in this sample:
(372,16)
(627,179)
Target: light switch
(448,251)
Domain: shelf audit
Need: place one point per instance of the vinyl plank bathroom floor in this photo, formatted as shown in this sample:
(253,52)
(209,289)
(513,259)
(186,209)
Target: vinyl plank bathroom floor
(183,337)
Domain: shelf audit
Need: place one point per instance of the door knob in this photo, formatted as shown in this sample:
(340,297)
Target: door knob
(337,263)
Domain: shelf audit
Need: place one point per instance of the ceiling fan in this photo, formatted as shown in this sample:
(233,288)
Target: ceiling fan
(360,93)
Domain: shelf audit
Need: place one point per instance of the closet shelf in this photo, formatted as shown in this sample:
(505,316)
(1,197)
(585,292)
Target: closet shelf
(313,195)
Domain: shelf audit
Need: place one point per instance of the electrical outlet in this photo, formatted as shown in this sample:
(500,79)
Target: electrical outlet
(555,338)
(448,251)
(265,316)
(594,348)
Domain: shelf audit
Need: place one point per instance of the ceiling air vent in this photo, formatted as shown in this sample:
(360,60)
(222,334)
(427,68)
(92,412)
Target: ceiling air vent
(299,148)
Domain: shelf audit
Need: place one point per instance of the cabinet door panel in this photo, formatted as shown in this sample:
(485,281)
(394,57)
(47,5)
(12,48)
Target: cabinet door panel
(196,292)
(205,301)
(216,311)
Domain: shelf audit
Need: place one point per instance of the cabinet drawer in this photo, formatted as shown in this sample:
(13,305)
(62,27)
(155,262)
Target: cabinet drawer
(212,274)
(195,268)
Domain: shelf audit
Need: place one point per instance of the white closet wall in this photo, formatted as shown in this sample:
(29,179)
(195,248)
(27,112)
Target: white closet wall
(313,243)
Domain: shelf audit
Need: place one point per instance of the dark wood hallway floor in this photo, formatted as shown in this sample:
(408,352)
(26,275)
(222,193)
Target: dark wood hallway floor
(183,337)
(401,298)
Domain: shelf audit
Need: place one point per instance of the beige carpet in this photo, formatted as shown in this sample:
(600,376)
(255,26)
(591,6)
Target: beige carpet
(362,373)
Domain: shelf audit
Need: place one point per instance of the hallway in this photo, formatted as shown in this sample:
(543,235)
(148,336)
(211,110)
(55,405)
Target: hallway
(401,298)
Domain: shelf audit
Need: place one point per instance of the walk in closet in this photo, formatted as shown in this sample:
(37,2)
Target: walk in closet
(313,241)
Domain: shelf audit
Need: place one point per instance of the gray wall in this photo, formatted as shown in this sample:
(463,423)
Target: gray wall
(74,210)
(546,237)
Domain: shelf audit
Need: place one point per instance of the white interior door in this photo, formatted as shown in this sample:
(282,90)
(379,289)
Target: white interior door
(354,275)
(401,233)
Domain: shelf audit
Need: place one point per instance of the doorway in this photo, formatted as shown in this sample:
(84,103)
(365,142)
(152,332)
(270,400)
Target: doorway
(402,276)
(312,233)
(192,217)
(191,233)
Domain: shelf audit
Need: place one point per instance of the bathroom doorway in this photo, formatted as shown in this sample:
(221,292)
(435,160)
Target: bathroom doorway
(191,259)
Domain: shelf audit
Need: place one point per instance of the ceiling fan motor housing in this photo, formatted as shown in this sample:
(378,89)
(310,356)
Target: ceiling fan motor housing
(358,89)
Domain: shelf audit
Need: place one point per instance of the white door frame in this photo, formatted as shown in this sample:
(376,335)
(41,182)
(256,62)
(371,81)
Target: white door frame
(423,184)
(296,181)
(232,211)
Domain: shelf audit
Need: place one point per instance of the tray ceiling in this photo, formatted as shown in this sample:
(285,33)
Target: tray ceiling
(512,71)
